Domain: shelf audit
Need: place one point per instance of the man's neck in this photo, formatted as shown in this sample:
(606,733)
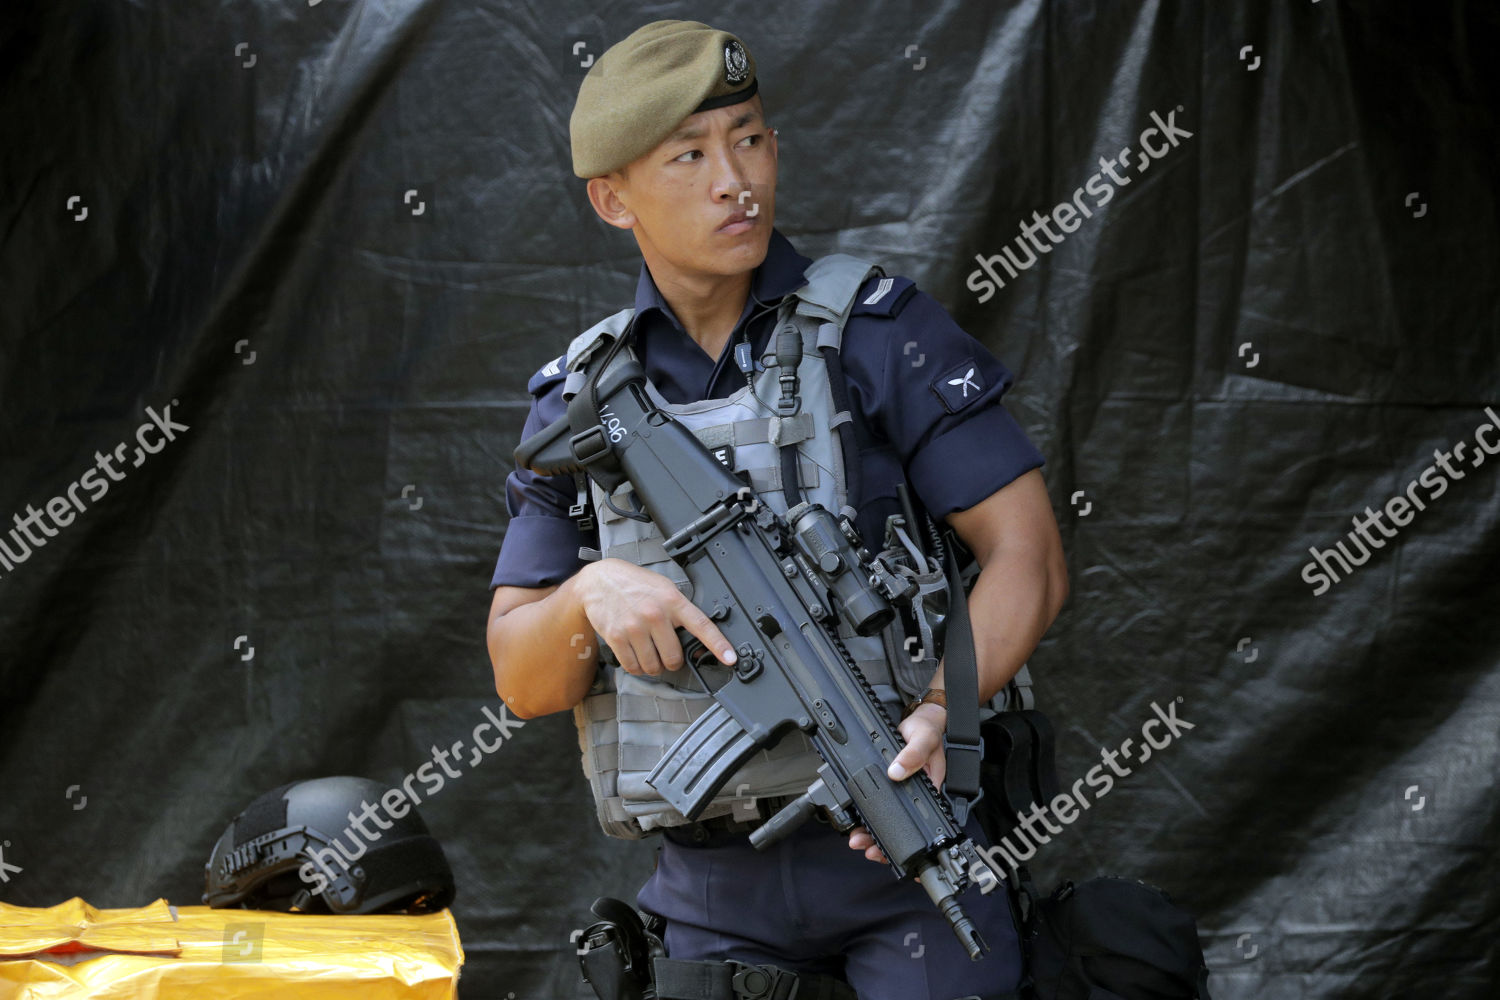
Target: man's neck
(707,305)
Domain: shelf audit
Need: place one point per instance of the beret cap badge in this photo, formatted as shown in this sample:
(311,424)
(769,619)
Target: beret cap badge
(736,65)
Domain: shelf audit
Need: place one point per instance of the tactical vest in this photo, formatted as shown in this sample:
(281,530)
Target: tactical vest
(627,721)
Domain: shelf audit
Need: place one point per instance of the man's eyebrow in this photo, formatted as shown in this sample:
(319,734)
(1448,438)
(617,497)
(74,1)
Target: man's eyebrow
(695,132)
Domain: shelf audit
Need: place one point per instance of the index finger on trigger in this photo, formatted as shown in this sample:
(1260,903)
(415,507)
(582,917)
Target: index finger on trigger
(699,624)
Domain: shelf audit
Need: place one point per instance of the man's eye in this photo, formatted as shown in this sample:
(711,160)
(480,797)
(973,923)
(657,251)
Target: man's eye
(691,152)
(753,139)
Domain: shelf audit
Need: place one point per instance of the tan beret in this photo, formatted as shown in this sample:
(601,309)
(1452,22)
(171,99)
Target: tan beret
(640,90)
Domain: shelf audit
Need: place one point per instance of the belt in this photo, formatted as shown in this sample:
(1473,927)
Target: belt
(724,829)
(732,980)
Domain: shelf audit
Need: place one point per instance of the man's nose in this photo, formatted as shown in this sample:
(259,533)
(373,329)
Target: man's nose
(729,177)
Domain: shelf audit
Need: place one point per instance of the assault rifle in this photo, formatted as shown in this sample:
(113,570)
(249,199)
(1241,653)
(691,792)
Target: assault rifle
(776,587)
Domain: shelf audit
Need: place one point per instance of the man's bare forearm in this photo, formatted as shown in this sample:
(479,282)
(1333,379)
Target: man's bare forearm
(544,652)
(1011,605)
(1023,577)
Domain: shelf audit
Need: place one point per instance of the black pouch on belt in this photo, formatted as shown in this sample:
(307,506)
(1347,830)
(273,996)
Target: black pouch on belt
(1019,768)
(1114,939)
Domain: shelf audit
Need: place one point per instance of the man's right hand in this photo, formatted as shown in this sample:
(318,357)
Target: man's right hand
(637,612)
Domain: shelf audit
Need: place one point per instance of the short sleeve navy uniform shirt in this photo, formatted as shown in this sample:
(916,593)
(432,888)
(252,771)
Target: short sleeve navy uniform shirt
(926,399)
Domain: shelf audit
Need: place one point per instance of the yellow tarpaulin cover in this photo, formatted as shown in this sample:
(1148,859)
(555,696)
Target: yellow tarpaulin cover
(73,950)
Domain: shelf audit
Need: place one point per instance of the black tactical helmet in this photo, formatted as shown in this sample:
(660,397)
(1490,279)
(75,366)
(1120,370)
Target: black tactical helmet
(329,845)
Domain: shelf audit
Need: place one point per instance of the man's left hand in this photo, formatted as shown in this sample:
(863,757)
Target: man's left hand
(923,731)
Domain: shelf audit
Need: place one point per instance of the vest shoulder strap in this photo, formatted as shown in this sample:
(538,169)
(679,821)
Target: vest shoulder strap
(583,346)
(832,284)
(602,332)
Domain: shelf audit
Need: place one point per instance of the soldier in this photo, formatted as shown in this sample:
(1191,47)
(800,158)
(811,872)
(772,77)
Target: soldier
(669,131)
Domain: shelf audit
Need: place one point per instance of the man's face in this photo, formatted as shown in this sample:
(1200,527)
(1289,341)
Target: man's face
(683,198)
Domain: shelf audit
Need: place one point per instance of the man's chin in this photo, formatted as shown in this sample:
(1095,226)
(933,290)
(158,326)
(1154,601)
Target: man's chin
(740,251)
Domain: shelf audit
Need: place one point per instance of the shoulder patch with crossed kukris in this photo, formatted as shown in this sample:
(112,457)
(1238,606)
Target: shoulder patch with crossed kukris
(959,386)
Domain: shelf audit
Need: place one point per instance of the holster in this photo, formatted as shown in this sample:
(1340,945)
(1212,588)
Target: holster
(616,951)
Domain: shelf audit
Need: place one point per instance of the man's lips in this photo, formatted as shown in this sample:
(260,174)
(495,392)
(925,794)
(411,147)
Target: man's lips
(737,223)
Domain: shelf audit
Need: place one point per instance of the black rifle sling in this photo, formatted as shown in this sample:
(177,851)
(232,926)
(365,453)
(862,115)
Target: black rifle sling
(589,439)
(961,744)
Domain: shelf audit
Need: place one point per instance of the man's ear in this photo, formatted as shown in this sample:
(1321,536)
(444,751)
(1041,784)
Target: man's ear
(607,203)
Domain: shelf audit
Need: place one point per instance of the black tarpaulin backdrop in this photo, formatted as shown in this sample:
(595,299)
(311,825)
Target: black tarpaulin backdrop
(336,239)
